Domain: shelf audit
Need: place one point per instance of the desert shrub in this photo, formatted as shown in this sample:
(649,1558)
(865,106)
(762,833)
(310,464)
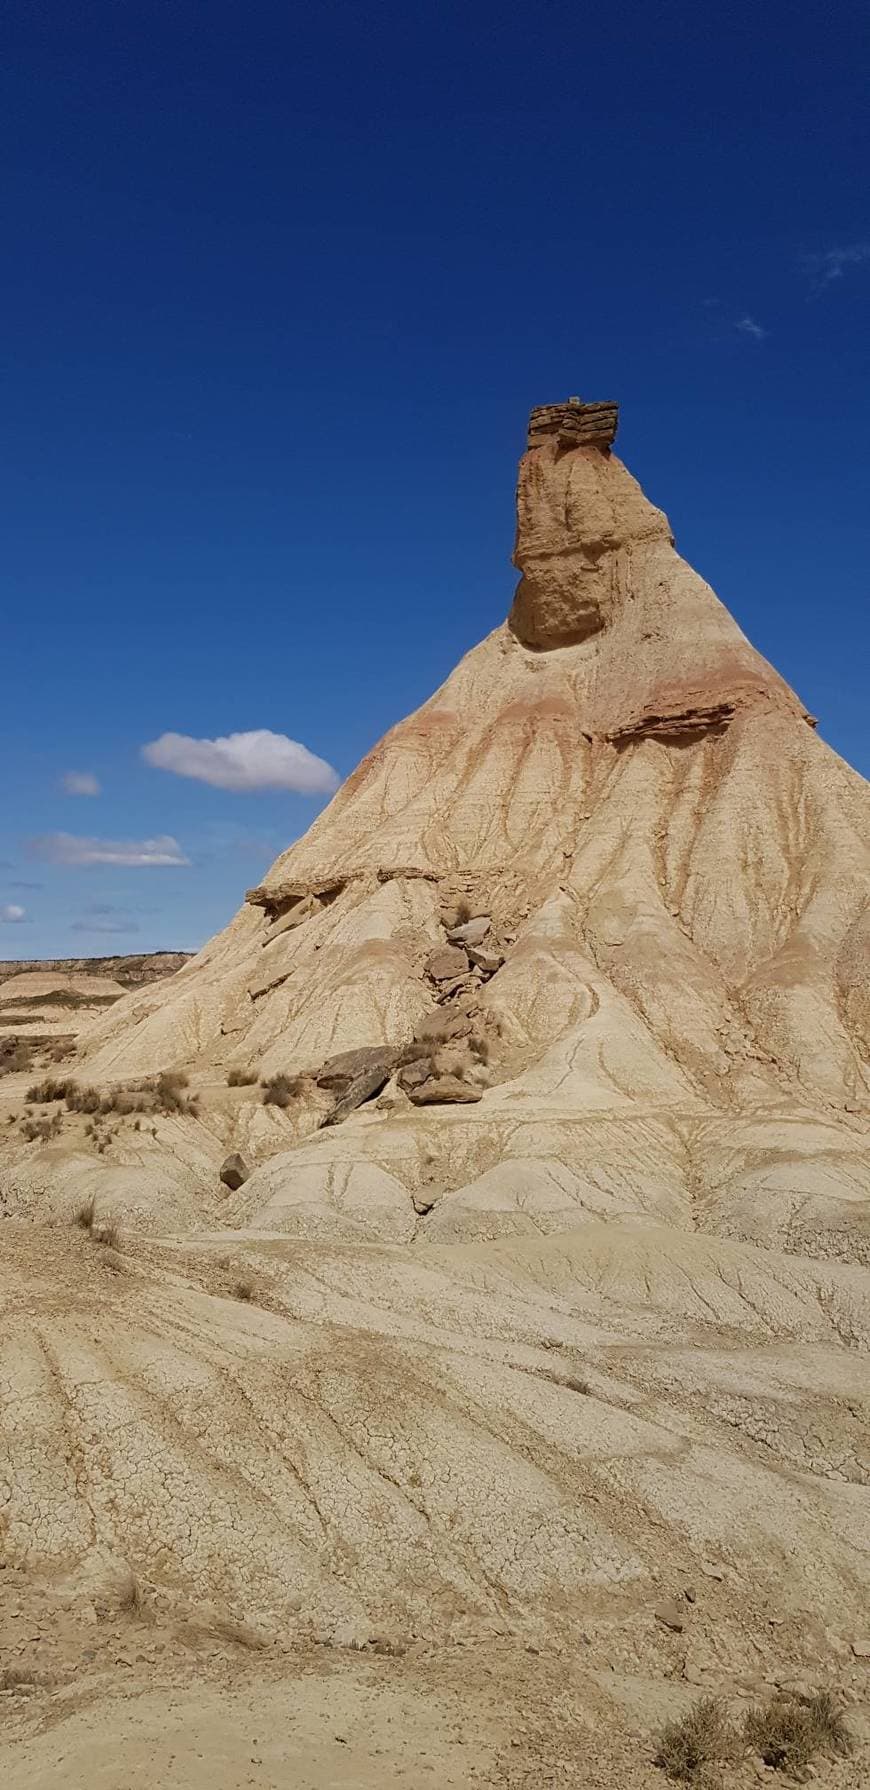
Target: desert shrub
(84,1214)
(82,1100)
(788,1730)
(17,1678)
(703,1737)
(42,1129)
(241,1078)
(16,1054)
(164,1093)
(169,1095)
(52,1088)
(279,1090)
(243,1287)
(100,1230)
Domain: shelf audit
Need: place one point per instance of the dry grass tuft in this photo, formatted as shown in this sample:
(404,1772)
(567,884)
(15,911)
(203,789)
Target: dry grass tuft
(279,1090)
(241,1078)
(100,1230)
(17,1678)
(703,1737)
(244,1287)
(789,1730)
(42,1130)
(164,1093)
(54,1087)
(82,1100)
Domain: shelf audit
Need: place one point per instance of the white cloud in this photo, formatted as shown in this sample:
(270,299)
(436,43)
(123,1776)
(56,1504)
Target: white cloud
(11,914)
(135,854)
(244,761)
(833,263)
(749,327)
(80,783)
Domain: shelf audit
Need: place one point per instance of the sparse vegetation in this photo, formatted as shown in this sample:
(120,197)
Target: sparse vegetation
(16,1055)
(243,1287)
(789,1730)
(703,1737)
(54,1087)
(164,1093)
(279,1090)
(42,1130)
(241,1078)
(17,1678)
(82,1100)
(100,1230)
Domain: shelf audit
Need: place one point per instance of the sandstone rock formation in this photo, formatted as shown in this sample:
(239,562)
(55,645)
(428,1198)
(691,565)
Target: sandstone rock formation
(673,871)
(542,1316)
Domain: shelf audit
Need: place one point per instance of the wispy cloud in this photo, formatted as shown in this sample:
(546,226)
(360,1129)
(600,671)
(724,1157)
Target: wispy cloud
(80,783)
(749,327)
(11,914)
(20,885)
(834,263)
(134,854)
(244,761)
(102,927)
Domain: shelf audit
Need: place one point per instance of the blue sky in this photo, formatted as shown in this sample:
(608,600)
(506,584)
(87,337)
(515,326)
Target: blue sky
(280,285)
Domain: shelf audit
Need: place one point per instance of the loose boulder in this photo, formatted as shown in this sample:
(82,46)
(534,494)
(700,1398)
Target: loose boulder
(472,932)
(234,1171)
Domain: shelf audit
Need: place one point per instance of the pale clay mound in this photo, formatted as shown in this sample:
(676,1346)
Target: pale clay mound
(559,1343)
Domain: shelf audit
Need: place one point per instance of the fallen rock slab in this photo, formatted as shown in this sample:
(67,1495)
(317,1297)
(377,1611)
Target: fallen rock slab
(472,932)
(487,959)
(438,1090)
(362,1088)
(446,963)
(670,1615)
(340,1071)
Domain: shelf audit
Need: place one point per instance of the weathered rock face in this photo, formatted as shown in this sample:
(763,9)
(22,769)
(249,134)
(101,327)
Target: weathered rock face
(580,522)
(674,872)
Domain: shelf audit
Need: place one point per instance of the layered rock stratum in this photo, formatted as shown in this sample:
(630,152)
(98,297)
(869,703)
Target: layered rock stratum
(541,1303)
